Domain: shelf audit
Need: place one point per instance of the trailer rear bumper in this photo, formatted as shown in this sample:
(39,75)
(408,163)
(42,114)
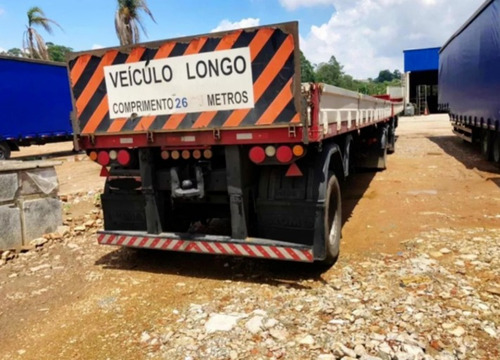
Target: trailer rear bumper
(209,244)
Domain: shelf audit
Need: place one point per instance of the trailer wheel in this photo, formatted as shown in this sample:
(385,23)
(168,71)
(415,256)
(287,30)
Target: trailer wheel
(382,160)
(4,151)
(333,221)
(391,143)
(486,143)
(496,148)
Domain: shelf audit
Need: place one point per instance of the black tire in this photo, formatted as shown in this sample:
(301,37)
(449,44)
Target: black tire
(332,221)
(382,161)
(4,151)
(486,144)
(495,150)
(382,155)
(391,144)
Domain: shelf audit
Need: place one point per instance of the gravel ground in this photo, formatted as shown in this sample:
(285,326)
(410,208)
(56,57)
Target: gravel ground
(418,278)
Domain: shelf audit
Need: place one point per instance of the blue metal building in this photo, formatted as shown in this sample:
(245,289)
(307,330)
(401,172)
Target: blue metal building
(421,78)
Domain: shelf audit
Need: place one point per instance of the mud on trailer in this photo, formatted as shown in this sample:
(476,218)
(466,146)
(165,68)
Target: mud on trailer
(211,144)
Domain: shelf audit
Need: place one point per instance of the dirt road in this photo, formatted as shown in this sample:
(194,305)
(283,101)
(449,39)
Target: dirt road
(418,276)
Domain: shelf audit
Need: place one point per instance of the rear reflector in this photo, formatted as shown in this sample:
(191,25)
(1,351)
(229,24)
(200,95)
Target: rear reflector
(123,157)
(165,155)
(207,154)
(284,154)
(103,158)
(257,154)
(207,245)
(293,170)
(104,172)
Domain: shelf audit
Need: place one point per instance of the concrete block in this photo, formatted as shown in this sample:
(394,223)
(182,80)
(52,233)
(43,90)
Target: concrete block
(11,235)
(9,184)
(41,216)
(39,181)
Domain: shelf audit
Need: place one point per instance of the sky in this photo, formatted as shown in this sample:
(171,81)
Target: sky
(365,36)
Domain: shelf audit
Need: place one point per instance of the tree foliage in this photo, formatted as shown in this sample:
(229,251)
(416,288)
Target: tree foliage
(330,73)
(58,52)
(306,69)
(388,76)
(55,52)
(13,52)
(33,43)
(128,20)
(333,73)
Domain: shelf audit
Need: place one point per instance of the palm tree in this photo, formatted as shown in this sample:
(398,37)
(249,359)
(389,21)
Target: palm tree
(128,20)
(33,43)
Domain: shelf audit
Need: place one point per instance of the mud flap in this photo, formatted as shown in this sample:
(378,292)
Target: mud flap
(374,156)
(292,209)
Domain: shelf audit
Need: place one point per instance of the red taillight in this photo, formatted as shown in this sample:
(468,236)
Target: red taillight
(165,155)
(284,154)
(185,154)
(207,154)
(257,154)
(103,158)
(123,157)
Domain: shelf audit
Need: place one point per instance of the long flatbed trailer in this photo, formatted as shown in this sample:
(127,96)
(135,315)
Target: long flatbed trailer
(211,144)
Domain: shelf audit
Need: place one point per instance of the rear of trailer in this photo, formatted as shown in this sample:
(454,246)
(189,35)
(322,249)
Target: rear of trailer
(211,144)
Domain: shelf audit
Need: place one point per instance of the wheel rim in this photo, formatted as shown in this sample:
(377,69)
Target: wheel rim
(334,218)
(334,230)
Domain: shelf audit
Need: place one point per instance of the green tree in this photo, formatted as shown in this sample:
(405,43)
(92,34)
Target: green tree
(330,72)
(348,82)
(13,52)
(384,75)
(128,20)
(33,43)
(306,69)
(57,52)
